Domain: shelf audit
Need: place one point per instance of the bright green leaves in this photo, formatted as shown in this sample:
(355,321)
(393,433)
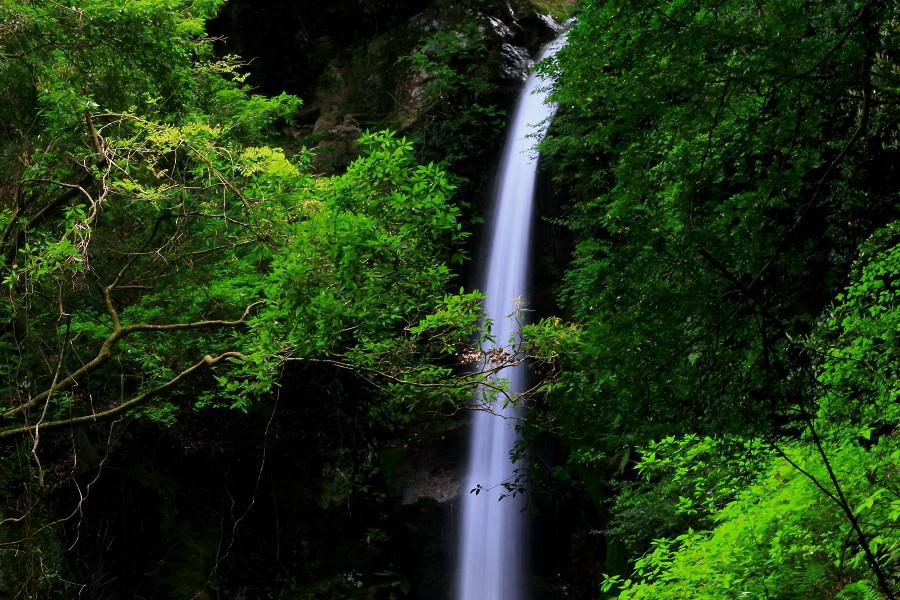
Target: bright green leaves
(408,197)
(153,208)
(551,339)
(95,53)
(772,532)
(859,345)
(778,538)
(268,161)
(453,324)
(166,247)
(682,482)
(370,259)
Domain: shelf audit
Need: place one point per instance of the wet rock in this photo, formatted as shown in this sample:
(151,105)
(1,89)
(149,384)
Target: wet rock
(427,23)
(438,485)
(516,62)
(537,30)
(549,24)
(327,120)
(347,128)
(509,10)
(499,29)
(423,473)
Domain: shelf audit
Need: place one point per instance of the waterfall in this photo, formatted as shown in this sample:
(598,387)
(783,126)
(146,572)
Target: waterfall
(492,541)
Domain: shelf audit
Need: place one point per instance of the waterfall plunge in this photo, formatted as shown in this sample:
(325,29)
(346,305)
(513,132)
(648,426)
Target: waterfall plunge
(491,551)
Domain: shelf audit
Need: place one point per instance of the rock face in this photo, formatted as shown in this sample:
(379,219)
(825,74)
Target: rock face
(516,62)
(499,29)
(538,28)
(424,478)
(385,63)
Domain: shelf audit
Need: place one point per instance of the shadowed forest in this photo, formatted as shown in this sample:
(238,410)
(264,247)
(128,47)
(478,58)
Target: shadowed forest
(242,336)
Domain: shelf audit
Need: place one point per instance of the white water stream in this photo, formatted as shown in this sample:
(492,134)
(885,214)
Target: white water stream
(492,542)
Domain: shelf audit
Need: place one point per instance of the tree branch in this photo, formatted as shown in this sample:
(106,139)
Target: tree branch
(118,333)
(207,361)
(838,497)
(469,379)
(37,430)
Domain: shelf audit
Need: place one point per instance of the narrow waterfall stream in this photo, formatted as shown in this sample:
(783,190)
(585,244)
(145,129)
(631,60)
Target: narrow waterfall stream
(492,542)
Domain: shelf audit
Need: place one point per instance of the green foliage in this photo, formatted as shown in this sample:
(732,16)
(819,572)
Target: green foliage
(460,103)
(720,186)
(187,219)
(681,484)
(551,339)
(778,538)
(734,285)
(760,526)
(160,253)
(858,345)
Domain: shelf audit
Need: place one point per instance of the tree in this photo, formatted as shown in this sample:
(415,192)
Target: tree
(725,162)
(802,526)
(721,163)
(162,254)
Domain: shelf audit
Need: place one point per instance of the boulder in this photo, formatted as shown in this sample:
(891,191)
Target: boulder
(516,63)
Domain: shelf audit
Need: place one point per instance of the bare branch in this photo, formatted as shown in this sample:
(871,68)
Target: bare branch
(207,361)
(37,427)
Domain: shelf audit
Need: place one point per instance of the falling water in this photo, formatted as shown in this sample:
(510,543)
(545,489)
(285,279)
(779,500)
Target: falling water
(491,548)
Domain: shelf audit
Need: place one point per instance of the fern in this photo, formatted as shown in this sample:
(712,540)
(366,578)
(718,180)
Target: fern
(859,590)
(809,580)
